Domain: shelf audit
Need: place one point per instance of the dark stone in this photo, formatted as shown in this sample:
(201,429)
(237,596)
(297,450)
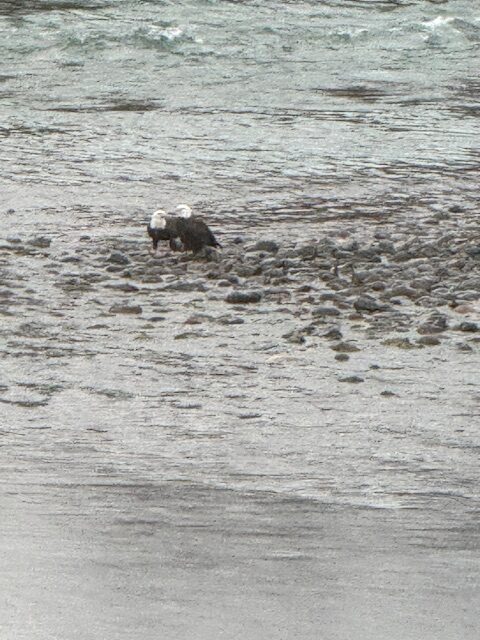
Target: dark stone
(436,323)
(353,379)
(197,318)
(247,270)
(329,295)
(467,327)
(400,343)
(306,252)
(474,251)
(333,334)
(228,320)
(342,357)
(325,311)
(403,290)
(367,303)
(270,246)
(370,254)
(125,308)
(116,257)
(123,286)
(243,297)
(295,337)
(305,288)
(185,285)
(378,285)
(40,241)
(429,341)
(386,246)
(345,347)
(388,394)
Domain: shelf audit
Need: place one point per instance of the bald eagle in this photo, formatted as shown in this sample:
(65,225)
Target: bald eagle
(163,227)
(193,230)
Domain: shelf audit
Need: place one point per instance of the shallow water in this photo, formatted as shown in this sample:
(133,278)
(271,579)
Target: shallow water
(210,480)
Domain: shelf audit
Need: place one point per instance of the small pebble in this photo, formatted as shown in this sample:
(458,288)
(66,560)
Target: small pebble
(352,379)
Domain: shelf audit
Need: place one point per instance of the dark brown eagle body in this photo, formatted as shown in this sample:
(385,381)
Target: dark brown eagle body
(195,234)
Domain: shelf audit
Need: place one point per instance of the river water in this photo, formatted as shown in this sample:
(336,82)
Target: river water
(220,484)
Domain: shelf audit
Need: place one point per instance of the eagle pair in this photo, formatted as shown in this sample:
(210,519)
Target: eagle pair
(183,231)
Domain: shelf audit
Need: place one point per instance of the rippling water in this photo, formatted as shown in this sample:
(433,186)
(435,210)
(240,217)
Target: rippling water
(245,103)
(231,489)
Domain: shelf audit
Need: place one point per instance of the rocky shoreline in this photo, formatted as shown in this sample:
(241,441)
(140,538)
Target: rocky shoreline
(409,286)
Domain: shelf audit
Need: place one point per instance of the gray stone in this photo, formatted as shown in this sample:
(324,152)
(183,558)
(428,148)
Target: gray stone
(247,270)
(402,290)
(295,337)
(367,303)
(342,357)
(185,285)
(306,252)
(428,341)
(467,327)
(270,246)
(329,295)
(228,320)
(40,241)
(243,297)
(333,334)
(325,312)
(125,308)
(345,347)
(436,323)
(400,343)
(116,257)
(197,318)
(386,246)
(352,379)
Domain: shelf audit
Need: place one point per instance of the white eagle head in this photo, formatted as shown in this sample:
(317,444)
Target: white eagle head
(158,220)
(183,210)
